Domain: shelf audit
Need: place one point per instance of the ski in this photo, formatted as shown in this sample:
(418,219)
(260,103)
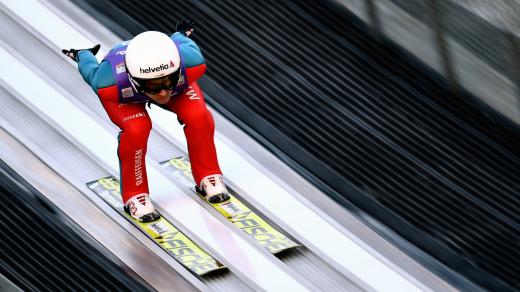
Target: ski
(161,231)
(235,211)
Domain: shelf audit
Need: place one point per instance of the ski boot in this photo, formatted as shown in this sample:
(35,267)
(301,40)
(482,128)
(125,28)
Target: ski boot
(213,189)
(140,207)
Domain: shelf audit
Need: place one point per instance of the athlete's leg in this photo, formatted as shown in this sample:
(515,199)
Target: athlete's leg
(199,129)
(135,125)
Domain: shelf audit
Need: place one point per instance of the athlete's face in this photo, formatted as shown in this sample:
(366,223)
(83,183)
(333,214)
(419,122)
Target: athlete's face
(159,89)
(161,97)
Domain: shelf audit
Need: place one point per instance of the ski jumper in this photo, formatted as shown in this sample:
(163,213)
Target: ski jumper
(126,108)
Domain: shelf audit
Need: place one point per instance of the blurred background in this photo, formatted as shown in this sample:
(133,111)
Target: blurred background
(382,135)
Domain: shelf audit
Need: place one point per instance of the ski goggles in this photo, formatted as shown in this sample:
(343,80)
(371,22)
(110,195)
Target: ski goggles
(154,86)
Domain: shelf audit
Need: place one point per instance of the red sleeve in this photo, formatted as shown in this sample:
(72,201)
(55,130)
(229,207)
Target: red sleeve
(110,93)
(194,73)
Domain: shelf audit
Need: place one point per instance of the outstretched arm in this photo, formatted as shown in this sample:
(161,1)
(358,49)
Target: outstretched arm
(87,64)
(190,51)
(88,68)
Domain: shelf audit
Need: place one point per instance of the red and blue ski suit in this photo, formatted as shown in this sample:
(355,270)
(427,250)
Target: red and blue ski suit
(126,109)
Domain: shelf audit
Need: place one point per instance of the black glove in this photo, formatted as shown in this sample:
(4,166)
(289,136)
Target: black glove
(185,27)
(73,53)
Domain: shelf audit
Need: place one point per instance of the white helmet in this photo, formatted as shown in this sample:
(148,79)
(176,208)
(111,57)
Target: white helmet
(151,55)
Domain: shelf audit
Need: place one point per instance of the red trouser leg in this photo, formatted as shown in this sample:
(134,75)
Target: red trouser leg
(135,125)
(199,129)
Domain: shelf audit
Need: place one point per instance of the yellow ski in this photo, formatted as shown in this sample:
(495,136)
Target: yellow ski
(235,211)
(162,232)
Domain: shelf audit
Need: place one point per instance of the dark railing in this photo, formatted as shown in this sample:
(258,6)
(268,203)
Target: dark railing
(40,250)
(456,30)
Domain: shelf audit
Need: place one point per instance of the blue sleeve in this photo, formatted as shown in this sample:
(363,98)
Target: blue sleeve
(96,75)
(189,50)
